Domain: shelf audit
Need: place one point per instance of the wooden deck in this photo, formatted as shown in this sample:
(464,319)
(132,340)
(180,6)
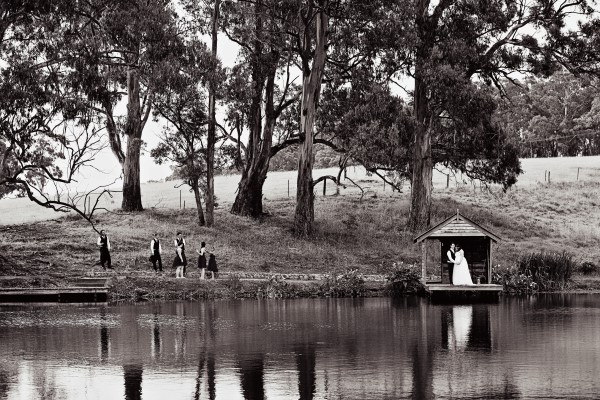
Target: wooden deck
(446,287)
(81,290)
(446,293)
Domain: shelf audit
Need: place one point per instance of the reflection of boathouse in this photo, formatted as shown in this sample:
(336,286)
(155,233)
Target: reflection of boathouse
(477,244)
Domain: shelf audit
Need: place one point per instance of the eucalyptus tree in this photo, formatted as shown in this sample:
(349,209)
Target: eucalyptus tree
(44,142)
(259,91)
(185,138)
(553,117)
(118,52)
(461,42)
(332,38)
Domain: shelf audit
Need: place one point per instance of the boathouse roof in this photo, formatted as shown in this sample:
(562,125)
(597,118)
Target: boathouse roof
(456,225)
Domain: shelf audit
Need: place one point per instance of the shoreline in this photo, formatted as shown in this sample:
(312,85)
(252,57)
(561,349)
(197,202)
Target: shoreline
(147,287)
(366,235)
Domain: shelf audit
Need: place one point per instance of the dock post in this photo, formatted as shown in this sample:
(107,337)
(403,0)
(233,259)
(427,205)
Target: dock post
(423,262)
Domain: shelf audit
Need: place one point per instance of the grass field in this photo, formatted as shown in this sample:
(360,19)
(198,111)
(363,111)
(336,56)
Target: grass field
(368,234)
(165,195)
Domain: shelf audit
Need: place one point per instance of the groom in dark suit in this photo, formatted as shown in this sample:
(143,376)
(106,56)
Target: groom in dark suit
(451,257)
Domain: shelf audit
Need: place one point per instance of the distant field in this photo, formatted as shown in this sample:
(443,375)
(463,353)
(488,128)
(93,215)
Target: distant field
(165,195)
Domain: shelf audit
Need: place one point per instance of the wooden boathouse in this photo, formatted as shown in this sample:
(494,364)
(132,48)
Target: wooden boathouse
(477,244)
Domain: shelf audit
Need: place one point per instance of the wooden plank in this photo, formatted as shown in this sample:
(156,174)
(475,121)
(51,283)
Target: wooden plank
(490,264)
(450,234)
(423,262)
(463,288)
(38,291)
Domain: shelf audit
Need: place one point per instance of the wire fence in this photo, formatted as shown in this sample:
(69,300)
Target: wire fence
(282,185)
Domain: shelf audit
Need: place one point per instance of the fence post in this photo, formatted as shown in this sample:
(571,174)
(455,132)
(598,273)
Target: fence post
(577,173)
(288,188)
(447,181)
(184,204)
(548,176)
(384,186)
(324,186)
(545,173)
(180,199)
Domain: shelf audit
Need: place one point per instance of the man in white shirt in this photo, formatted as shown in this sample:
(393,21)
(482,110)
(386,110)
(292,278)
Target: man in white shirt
(104,245)
(155,252)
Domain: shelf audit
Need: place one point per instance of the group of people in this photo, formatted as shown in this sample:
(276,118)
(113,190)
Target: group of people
(206,265)
(458,266)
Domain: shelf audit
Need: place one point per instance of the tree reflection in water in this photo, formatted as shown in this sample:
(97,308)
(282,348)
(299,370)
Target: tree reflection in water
(104,336)
(251,370)
(133,381)
(306,363)
(304,349)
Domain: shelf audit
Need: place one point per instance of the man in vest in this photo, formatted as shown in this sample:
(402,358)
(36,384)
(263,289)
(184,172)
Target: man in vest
(155,252)
(451,257)
(104,245)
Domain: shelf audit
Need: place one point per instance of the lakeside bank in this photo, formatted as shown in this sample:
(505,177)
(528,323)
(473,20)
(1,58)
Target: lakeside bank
(366,235)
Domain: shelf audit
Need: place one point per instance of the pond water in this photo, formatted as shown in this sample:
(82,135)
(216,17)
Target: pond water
(377,348)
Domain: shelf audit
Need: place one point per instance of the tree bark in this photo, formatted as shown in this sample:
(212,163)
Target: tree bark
(422,163)
(211,134)
(132,195)
(311,88)
(198,196)
(248,201)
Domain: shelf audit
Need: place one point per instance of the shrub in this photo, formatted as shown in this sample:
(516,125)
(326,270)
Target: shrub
(234,283)
(275,288)
(514,281)
(347,284)
(404,279)
(551,271)
(588,268)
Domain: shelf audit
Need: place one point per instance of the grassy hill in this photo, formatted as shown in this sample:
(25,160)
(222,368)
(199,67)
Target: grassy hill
(282,186)
(369,235)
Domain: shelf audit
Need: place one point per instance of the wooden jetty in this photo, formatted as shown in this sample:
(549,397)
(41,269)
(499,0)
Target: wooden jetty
(463,293)
(82,290)
(477,241)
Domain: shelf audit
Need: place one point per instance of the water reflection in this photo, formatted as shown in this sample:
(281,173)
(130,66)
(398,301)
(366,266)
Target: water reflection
(251,370)
(133,381)
(303,349)
(306,365)
(104,336)
(466,327)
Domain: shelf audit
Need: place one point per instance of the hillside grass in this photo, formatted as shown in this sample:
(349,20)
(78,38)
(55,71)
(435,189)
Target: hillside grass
(368,235)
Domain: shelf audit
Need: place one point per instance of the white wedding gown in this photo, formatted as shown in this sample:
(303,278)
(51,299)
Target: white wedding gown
(461,274)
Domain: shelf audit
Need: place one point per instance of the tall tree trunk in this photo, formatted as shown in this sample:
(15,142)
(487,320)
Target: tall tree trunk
(211,136)
(422,163)
(132,195)
(248,201)
(198,196)
(311,88)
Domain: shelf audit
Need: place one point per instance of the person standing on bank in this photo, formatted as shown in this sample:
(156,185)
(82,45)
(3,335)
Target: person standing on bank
(180,260)
(155,252)
(104,245)
(451,258)
(212,265)
(202,259)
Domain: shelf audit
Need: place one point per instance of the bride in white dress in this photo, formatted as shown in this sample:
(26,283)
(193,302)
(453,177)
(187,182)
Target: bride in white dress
(461,274)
